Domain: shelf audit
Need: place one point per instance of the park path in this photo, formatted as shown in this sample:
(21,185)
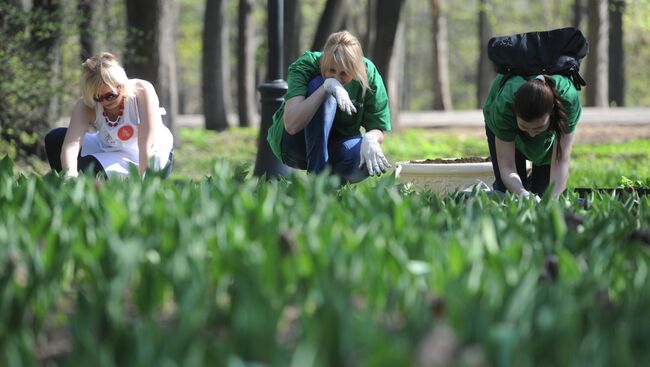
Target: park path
(597,125)
(474,118)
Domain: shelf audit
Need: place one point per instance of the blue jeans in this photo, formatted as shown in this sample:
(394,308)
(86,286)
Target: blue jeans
(317,146)
(536,183)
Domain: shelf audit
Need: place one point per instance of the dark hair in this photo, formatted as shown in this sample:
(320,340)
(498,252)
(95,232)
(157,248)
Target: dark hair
(536,98)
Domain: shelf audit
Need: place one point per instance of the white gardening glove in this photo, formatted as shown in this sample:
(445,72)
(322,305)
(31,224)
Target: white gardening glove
(70,174)
(335,88)
(528,194)
(372,156)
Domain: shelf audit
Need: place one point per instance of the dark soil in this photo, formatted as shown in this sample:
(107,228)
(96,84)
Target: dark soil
(454,160)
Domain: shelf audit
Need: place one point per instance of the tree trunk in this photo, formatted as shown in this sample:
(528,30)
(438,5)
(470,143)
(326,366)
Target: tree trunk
(597,66)
(395,74)
(216,96)
(368,40)
(578,12)
(139,59)
(89,26)
(167,83)
(151,51)
(486,71)
(246,96)
(331,21)
(292,31)
(441,91)
(18,4)
(616,54)
(388,16)
(46,31)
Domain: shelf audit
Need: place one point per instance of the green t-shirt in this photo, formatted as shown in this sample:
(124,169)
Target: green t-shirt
(499,115)
(372,109)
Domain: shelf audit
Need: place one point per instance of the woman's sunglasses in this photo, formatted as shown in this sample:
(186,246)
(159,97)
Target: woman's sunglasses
(109,97)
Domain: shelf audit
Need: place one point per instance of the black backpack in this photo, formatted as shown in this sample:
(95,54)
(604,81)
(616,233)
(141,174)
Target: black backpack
(557,51)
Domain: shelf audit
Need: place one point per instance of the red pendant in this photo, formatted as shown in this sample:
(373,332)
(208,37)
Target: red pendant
(125,132)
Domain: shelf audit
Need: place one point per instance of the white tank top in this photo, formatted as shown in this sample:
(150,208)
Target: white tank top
(124,135)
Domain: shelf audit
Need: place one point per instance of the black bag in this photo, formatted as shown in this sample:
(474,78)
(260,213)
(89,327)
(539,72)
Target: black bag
(557,51)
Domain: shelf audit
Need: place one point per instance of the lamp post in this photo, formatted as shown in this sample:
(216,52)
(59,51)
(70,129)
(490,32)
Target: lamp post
(271,92)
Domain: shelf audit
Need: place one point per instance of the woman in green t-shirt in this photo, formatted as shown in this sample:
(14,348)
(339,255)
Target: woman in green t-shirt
(330,96)
(531,119)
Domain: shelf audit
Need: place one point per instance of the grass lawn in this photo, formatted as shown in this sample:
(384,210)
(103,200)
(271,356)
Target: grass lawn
(592,165)
(597,165)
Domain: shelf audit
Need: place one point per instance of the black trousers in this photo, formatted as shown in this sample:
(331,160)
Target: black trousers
(536,182)
(54,142)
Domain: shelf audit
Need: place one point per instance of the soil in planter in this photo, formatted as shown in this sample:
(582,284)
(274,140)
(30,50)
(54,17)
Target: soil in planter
(454,160)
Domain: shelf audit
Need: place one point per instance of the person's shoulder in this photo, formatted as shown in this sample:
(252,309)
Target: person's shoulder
(307,62)
(567,90)
(564,84)
(513,82)
(141,87)
(501,90)
(140,84)
(81,105)
(369,63)
(310,57)
(370,66)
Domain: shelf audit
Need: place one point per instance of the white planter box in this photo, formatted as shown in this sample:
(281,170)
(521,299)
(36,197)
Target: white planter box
(444,177)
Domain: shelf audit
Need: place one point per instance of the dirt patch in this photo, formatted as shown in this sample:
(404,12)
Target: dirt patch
(453,160)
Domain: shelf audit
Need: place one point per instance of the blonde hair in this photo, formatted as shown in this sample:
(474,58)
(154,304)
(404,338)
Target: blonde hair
(99,70)
(344,50)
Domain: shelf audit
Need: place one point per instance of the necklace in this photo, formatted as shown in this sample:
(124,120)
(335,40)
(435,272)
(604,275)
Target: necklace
(119,116)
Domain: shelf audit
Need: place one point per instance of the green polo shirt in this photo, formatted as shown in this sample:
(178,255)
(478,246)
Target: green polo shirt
(372,109)
(499,115)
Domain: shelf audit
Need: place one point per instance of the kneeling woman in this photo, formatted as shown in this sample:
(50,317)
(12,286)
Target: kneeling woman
(309,132)
(127,119)
(531,119)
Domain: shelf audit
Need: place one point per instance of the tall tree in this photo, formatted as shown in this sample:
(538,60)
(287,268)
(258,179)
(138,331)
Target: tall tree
(216,92)
(388,17)
(441,91)
(368,39)
(597,64)
(46,35)
(486,71)
(292,31)
(246,101)
(387,21)
(616,53)
(151,51)
(396,73)
(331,20)
(89,26)
(578,12)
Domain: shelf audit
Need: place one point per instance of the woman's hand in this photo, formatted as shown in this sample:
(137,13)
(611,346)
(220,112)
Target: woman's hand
(335,88)
(80,119)
(560,168)
(507,168)
(150,120)
(371,154)
(527,194)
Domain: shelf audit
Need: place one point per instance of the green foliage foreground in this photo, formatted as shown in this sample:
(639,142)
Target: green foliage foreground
(233,271)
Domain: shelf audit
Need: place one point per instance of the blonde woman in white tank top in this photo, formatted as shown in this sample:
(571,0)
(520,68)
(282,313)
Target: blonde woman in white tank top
(127,120)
